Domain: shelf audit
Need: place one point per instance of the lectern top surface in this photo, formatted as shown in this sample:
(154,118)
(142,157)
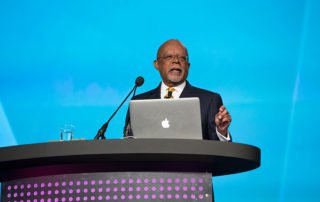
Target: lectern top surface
(218,158)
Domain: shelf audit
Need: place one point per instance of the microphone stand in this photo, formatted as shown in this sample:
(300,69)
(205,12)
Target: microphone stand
(102,130)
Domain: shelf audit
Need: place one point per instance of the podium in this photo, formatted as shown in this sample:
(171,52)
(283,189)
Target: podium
(120,170)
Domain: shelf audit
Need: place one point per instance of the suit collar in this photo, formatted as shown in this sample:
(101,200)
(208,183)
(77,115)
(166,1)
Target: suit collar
(187,91)
(155,93)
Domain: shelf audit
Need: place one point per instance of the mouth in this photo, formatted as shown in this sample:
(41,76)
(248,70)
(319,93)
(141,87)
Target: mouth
(175,70)
(175,74)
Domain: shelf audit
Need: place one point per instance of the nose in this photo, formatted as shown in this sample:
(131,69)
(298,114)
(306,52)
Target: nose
(176,59)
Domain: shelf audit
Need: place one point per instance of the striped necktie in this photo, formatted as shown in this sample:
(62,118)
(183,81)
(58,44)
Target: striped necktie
(169,94)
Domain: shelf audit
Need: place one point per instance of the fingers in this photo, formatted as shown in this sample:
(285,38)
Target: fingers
(223,112)
(226,119)
(223,118)
(222,107)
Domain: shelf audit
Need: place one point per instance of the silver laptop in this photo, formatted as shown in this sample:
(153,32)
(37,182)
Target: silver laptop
(166,118)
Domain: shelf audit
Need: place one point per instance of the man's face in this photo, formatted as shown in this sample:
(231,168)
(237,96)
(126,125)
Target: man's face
(172,63)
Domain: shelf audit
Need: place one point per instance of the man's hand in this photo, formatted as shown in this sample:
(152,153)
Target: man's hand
(222,120)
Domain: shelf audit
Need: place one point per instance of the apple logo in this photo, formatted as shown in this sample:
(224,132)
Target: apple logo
(165,123)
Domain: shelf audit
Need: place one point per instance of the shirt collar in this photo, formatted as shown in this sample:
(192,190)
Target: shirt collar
(177,89)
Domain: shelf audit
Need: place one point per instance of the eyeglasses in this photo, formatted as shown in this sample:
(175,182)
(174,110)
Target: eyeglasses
(172,57)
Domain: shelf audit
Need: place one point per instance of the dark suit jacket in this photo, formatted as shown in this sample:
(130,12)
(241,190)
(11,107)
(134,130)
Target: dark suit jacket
(209,106)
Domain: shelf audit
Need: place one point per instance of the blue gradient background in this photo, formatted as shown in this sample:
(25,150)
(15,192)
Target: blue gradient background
(74,61)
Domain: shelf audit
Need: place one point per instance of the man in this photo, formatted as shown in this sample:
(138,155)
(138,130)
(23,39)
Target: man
(173,65)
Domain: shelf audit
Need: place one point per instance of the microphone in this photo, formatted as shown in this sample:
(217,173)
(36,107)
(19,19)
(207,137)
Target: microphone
(139,82)
(100,135)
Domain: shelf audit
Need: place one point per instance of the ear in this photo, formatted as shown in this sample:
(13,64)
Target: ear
(189,65)
(156,64)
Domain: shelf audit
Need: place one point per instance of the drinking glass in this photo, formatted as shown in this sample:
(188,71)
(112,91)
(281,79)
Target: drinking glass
(66,132)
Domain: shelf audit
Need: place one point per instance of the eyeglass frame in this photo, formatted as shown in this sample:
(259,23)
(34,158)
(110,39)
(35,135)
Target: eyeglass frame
(170,58)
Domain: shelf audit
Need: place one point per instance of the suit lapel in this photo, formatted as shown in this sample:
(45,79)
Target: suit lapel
(187,91)
(155,93)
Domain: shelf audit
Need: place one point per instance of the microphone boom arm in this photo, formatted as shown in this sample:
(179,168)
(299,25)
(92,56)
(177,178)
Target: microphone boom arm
(102,130)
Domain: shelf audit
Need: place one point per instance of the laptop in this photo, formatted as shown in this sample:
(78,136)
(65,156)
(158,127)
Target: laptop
(166,118)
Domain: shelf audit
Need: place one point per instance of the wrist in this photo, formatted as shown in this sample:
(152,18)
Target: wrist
(223,132)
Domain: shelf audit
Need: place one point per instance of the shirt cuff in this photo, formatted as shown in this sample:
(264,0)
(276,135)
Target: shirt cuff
(223,138)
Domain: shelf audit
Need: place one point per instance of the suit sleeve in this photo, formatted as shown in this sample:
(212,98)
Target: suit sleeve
(214,105)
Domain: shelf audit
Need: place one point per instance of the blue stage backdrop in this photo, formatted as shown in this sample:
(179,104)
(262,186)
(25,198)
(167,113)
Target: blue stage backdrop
(74,61)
